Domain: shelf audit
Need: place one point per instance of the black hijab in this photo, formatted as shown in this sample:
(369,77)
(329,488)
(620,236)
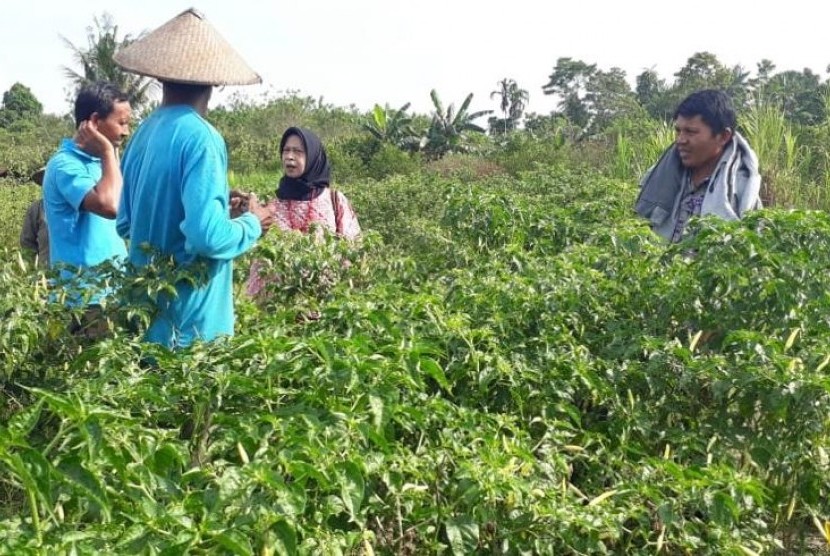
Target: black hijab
(317,174)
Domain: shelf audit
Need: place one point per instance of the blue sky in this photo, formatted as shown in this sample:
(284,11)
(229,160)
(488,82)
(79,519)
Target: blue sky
(365,51)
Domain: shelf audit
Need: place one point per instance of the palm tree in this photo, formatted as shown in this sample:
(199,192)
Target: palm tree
(97,64)
(449,130)
(518,102)
(504,92)
(513,102)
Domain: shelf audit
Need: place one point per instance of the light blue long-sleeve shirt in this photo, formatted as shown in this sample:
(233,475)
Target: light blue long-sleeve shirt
(175,200)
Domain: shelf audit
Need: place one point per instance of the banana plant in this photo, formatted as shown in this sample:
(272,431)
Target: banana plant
(393,127)
(450,130)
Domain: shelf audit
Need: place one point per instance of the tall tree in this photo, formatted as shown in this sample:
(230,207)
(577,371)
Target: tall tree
(758,84)
(569,81)
(799,94)
(609,97)
(590,98)
(19,105)
(97,64)
(512,104)
(651,94)
(703,70)
(738,87)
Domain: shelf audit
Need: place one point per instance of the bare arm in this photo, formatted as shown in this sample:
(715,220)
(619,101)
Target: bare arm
(104,197)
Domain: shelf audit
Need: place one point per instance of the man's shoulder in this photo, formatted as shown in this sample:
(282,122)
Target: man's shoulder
(68,158)
(182,116)
(191,128)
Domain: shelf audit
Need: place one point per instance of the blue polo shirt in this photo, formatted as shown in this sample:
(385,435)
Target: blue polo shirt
(78,238)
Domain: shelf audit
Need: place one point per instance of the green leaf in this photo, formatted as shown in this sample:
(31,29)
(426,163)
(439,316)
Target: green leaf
(352,488)
(377,409)
(301,471)
(380,117)
(76,474)
(134,541)
(40,471)
(61,405)
(286,539)
(22,422)
(724,509)
(91,428)
(666,513)
(462,532)
(167,460)
(235,542)
(434,370)
(78,536)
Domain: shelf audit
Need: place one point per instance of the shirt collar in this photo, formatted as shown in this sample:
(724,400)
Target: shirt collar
(687,182)
(68,144)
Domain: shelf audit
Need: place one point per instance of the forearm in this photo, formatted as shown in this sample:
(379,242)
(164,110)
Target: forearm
(105,195)
(219,237)
(108,188)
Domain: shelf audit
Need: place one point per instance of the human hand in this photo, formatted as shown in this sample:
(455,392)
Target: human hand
(239,203)
(92,141)
(263,213)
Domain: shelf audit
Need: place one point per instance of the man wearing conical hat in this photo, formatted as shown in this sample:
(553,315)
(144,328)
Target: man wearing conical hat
(175,197)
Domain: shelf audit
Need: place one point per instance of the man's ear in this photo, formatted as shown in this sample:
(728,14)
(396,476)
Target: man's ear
(726,135)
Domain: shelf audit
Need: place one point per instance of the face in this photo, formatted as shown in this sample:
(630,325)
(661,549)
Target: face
(697,146)
(293,157)
(116,126)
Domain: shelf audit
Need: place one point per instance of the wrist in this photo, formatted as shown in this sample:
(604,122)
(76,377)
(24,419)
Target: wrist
(109,154)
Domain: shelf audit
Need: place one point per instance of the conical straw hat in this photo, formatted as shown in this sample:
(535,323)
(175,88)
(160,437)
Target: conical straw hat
(187,49)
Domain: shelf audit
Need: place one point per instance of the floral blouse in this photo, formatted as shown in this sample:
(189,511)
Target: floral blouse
(300,215)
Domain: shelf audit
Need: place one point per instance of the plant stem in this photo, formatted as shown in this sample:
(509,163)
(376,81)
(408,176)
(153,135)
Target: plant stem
(35,515)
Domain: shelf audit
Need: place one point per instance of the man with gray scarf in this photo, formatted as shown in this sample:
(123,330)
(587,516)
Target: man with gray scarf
(710,169)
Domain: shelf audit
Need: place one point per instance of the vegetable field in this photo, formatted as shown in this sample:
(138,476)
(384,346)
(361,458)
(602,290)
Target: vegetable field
(506,366)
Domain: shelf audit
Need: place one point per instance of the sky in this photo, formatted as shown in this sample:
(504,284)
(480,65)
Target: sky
(362,52)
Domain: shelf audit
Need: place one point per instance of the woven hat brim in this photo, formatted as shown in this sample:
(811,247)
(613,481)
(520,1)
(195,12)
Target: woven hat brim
(187,49)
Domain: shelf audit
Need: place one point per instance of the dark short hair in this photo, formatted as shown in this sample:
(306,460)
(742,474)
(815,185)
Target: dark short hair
(713,106)
(99,97)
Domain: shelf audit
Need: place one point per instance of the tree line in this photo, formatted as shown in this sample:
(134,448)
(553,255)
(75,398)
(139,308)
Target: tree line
(599,116)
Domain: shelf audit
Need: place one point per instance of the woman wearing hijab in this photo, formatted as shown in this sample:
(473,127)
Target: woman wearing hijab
(304,197)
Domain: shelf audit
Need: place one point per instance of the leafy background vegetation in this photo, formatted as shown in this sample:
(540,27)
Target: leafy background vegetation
(509,364)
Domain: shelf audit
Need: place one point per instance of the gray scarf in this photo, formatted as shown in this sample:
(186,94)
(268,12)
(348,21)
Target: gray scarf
(733,189)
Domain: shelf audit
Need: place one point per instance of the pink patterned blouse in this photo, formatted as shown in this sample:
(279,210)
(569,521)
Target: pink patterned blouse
(300,215)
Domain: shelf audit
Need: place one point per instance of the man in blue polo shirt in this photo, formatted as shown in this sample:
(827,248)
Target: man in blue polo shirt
(82,187)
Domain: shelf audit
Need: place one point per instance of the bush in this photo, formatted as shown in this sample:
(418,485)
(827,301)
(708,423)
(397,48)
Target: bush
(465,167)
(346,165)
(252,128)
(25,149)
(389,160)
(14,201)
